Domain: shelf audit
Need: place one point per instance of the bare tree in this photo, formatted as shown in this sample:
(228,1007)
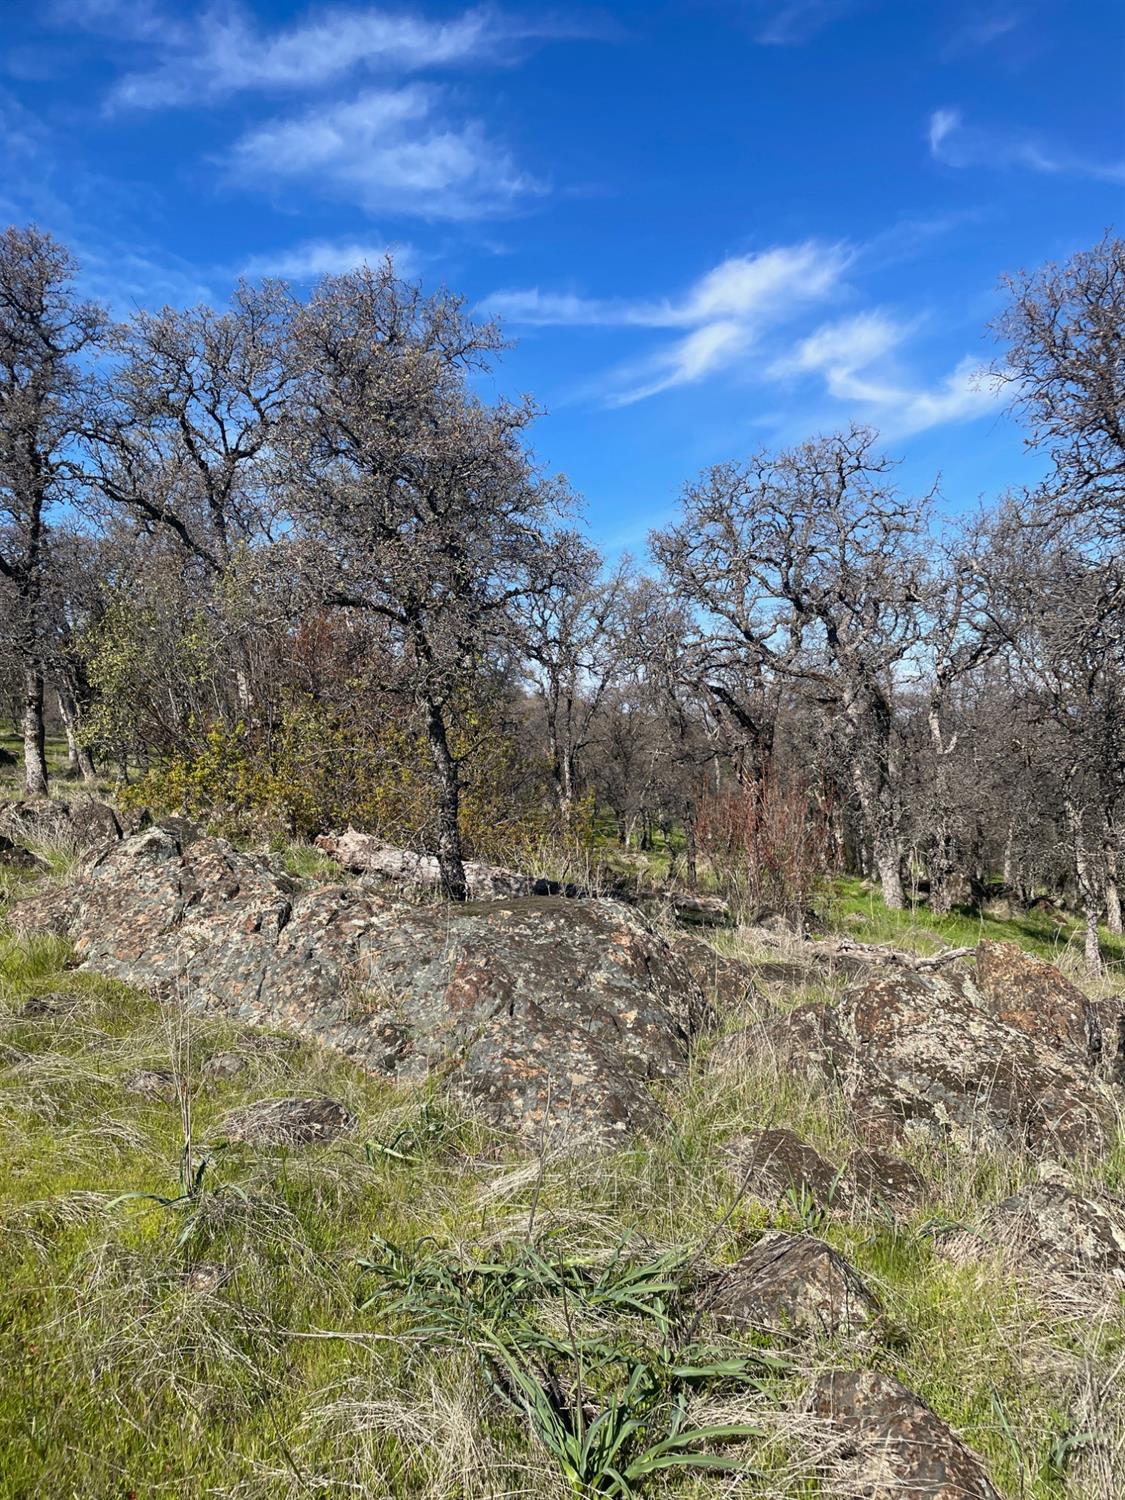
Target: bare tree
(1065,332)
(426,504)
(186,419)
(46,329)
(574,651)
(959,635)
(807,562)
(1065,622)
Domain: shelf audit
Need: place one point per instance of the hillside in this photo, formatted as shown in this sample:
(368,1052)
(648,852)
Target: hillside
(397,1293)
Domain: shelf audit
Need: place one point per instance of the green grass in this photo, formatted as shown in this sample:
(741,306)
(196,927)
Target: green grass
(305,1373)
(856,907)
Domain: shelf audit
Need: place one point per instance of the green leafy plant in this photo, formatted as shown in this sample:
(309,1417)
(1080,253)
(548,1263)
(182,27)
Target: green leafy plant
(609,1408)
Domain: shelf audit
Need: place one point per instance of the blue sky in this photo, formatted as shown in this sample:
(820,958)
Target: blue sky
(709,225)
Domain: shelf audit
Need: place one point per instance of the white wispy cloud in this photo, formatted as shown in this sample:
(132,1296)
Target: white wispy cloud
(855,359)
(955,143)
(738,287)
(790,23)
(722,313)
(982,28)
(315,258)
(212,53)
(387,149)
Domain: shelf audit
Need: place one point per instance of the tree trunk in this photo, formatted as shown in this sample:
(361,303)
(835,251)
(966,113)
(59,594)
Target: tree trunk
(79,756)
(888,860)
(34,735)
(448,849)
(873,776)
(1112,892)
(1085,878)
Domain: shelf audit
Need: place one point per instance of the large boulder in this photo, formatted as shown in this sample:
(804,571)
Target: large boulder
(930,1059)
(791,1285)
(1036,998)
(921,1057)
(1067,1233)
(889,1445)
(555,1016)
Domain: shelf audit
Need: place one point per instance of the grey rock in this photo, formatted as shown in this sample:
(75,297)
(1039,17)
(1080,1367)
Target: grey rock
(555,1015)
(930,1061)
(1066,1232)
(920,1057)
(287,1122)
(889,1445)
(791,1284)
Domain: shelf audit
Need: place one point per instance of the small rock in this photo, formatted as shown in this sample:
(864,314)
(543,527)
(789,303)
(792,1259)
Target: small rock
(772,1164)
(891,1445)
(43,1007)
(16,857)
(223,1065)
(153,1083)
(1064,1231)
(206,1277)
(792,1284)
(925,1058)
(288,1122)
(885,1181)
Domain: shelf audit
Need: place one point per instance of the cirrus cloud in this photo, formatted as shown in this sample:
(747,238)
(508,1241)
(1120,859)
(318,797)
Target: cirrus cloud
(387,150)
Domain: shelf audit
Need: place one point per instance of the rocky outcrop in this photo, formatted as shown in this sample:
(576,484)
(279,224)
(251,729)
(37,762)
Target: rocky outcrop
(791,1285)
(553,1016)
(889,1445)
(921,1056)
(406,871)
